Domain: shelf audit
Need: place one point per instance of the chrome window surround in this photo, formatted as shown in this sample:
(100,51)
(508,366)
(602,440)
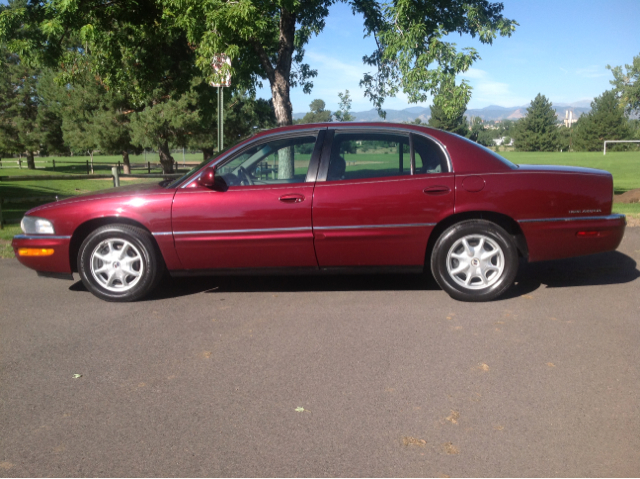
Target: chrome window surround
(305,132)
(407,131)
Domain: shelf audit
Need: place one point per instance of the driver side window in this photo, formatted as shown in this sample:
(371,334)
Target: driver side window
(273,162)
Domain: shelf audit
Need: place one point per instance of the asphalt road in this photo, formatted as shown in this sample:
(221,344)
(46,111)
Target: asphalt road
(394,377)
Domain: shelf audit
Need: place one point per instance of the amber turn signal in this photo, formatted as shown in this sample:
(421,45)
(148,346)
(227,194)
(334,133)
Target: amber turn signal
(35,251)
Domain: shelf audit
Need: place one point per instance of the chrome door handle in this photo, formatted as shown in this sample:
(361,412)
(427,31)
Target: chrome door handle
(292,198)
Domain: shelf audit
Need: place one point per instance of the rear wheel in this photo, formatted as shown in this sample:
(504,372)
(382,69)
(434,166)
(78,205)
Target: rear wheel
(475,260)
(119,263)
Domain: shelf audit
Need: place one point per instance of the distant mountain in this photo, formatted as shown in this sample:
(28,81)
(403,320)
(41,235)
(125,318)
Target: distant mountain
(489,113)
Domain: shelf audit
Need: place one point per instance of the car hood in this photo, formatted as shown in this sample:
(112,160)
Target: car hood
(563,169)
(137,190)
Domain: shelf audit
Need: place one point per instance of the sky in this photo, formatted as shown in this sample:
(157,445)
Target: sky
(561,49)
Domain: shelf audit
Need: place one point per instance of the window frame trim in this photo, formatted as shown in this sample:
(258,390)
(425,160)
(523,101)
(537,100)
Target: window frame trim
(232,154)
(325,157)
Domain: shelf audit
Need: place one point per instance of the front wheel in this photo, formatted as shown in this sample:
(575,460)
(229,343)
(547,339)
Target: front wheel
(119,263)
(475,260)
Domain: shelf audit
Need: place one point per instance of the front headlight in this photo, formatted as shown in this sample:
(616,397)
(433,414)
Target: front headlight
(32,225)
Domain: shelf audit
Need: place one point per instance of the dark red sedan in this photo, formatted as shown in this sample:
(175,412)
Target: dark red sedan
(330,198)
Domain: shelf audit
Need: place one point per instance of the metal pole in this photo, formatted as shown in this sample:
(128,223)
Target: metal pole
(116,176)
(220,121)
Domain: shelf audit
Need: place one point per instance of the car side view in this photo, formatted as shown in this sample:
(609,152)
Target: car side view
(330,198)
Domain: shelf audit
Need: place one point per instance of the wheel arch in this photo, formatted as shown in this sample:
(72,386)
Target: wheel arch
(506,222)
(85,229)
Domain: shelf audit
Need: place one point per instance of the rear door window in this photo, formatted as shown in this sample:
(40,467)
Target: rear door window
(368,155)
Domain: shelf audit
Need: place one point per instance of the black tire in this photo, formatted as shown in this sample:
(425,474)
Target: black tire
(133,265)
(490,253)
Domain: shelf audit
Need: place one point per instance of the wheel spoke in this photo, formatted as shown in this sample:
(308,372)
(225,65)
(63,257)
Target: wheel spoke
(467,248)
(130,271)
(123,251)
(461,267)
(100,257)
(489,254)
(112,276)
(480,247)
(102,269)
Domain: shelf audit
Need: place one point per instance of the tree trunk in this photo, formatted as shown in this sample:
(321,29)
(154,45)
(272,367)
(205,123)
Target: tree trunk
(31,164)
(126,166)
(207,153)
(166,160)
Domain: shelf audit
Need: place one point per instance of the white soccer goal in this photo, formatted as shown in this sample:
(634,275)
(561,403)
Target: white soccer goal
(617,141)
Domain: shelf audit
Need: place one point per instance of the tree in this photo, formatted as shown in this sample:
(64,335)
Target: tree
(317,113)
(605,121)
(446,118)
(20,128)
(627,85)
(49,115)
(145,44)
(537,131)
(476,126)
(164,124)
(344,107)
(243,115)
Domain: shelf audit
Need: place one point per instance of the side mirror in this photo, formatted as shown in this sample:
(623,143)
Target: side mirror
(208,177)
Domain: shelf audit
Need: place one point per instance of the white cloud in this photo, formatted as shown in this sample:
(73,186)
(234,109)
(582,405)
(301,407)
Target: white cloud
(487,92)
(594,71)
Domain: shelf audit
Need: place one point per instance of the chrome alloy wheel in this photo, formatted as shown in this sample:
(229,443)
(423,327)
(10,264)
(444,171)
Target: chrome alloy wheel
(116,265)
(475,262)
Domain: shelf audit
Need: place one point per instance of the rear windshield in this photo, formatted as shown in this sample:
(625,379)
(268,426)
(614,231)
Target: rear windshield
(513,166)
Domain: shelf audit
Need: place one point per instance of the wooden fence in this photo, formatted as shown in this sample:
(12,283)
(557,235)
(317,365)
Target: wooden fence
(43,199)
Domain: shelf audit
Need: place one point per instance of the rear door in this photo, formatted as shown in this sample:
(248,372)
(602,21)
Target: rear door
(263,219)
(378,196)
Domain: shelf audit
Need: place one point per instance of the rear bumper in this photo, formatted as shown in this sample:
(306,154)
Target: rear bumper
(58,262)
(556,238)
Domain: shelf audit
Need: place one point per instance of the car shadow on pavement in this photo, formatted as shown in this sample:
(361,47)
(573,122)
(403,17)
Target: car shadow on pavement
(613,267)
(600,269)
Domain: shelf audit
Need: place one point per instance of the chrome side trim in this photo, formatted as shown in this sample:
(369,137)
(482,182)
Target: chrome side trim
(32,237)
(359,227)
(164,233)
(257,230)
(575,218)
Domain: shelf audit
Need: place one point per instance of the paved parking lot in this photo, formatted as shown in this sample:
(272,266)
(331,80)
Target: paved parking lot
(325,376)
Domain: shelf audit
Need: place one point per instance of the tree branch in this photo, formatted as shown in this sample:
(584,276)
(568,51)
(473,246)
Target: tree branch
(264,60)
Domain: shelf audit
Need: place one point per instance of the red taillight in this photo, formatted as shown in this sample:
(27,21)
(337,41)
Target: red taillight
(587,233)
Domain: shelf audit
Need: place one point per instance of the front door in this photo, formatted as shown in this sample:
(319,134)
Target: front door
(262,220)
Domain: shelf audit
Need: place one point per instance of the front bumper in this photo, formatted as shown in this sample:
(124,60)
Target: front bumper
(58,262)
